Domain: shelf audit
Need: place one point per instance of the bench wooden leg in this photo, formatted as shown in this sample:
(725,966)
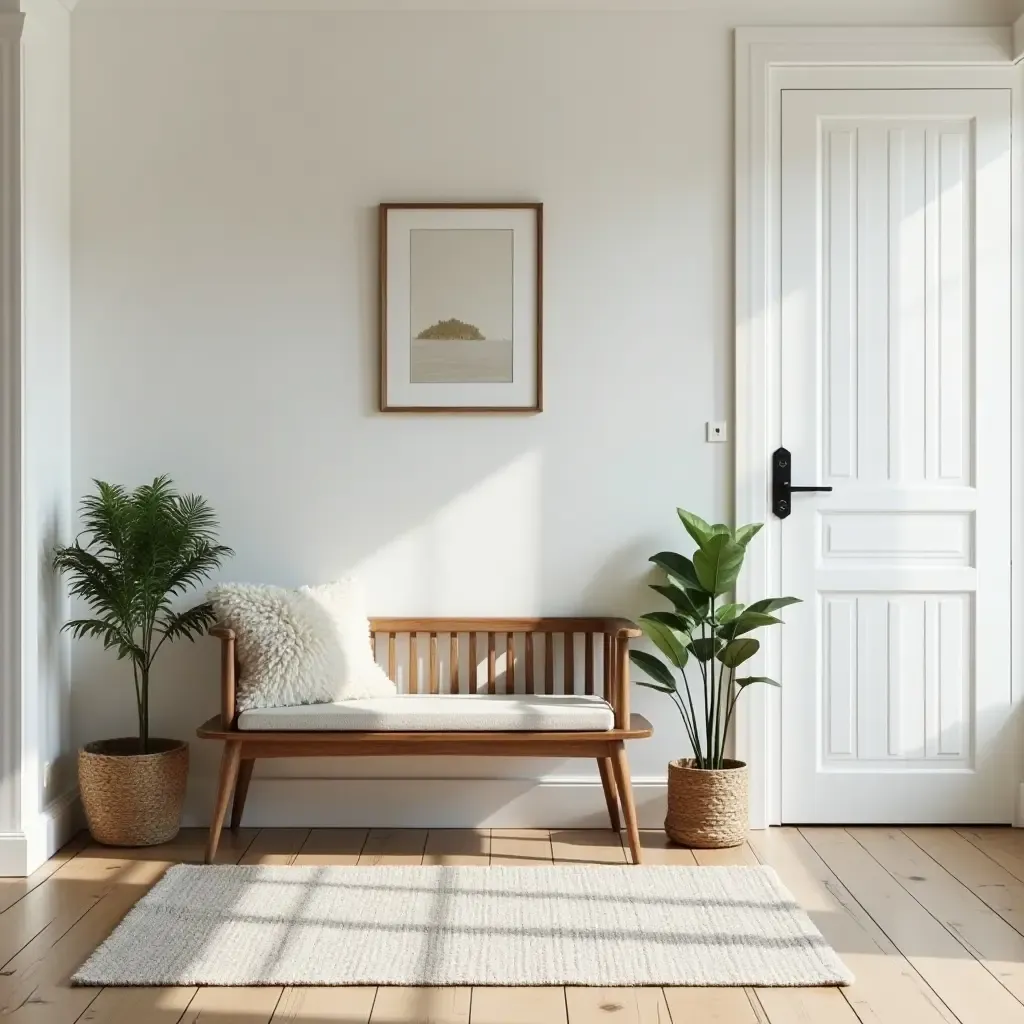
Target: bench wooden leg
(228,774)
(625,788)
(245,768)
(611,797)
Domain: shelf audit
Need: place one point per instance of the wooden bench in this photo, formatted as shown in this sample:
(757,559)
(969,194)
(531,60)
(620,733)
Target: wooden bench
(542,657)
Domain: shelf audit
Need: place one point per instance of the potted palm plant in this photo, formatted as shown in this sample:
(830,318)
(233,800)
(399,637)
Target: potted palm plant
(137,552)
(705,639)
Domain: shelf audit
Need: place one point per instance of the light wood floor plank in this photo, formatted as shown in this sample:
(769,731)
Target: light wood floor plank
(659,849)
(806,1006)
(139,1006)
(887,988)
(518,1006)
(523,846)
(14,889)
(981,931)
(54,906)
(332,846)
(1003,845)
(421,1006)
(990,882)
(187,847)
(232,1006)
(324,1006)
(733,856)
(394,846)
(34,985)
(962,983)
(275,846)
(621,1005)
(587,846)
(458,846)
(710,1006)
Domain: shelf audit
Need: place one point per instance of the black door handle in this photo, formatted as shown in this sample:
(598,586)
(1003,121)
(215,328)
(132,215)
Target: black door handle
(782,488)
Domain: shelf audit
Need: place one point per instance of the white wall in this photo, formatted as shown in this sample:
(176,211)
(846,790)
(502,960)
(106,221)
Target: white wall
(227,169)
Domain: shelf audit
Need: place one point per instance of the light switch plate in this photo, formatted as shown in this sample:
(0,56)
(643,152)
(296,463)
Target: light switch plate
(716,432)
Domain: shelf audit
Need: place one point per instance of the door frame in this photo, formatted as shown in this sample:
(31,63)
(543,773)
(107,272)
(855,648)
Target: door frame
(767,61)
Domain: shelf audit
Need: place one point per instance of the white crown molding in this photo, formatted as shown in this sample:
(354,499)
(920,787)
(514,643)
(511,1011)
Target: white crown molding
(1018,39)
(988,10)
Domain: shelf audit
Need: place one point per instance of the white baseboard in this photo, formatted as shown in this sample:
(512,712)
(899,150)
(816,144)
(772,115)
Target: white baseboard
(428,803)
(22,852)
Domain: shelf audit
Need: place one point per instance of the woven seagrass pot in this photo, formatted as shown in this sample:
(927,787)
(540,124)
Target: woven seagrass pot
(133,799)
(707,809)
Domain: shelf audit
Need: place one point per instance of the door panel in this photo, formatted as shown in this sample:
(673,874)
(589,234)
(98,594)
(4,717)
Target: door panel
(895,390)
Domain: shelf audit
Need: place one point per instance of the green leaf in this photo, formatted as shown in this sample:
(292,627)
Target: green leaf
(706,649)
(679,568)
(728,612)
(718,563)
(680,600)
(655,686)
(745,623)
(750,680)
(699,530)
(664,630)
(773,604)
(720,530)
(657,670)
(673,620)
(745,534)
(738,651)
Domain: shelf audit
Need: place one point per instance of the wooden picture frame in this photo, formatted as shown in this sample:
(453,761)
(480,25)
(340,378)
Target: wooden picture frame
(461,307)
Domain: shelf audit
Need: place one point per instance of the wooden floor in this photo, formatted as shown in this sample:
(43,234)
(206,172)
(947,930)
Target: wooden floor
(930,920)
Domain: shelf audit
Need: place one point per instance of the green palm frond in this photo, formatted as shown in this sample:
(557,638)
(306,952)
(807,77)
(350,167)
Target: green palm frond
(187,624)
(136,553)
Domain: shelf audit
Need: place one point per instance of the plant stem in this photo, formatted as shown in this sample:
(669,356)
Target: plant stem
(138,692)
(689,726)
(144,712)
(693,717)
(709,688)
(734,697)
(718,712)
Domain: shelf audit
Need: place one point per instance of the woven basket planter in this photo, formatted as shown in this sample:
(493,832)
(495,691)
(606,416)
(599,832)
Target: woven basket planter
(707,809)
(133,799)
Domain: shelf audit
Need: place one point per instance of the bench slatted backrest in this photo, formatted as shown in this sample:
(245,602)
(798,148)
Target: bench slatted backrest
(495,656)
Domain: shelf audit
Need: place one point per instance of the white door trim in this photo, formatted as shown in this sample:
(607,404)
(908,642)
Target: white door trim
(11,433)
(765,60)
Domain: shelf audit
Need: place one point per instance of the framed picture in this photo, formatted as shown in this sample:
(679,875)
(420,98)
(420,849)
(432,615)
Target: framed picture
(460,307)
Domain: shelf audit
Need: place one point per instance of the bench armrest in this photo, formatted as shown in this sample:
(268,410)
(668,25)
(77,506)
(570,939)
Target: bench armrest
(619,684)
(228,674)
(622,628)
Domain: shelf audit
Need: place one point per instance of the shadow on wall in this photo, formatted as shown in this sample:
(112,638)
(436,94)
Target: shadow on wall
(53,671)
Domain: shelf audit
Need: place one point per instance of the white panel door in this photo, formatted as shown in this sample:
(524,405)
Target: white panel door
(895,331)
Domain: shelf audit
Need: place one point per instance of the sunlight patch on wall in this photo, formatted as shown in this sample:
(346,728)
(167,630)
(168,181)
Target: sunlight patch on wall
(478,555)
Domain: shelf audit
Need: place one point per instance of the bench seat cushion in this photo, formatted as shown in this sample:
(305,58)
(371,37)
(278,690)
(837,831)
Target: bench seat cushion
(470,712)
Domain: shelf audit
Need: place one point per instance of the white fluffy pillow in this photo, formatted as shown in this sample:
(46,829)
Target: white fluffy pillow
(305,646)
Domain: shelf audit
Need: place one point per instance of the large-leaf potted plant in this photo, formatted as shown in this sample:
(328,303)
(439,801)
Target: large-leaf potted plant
(704,640)
(138,552)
